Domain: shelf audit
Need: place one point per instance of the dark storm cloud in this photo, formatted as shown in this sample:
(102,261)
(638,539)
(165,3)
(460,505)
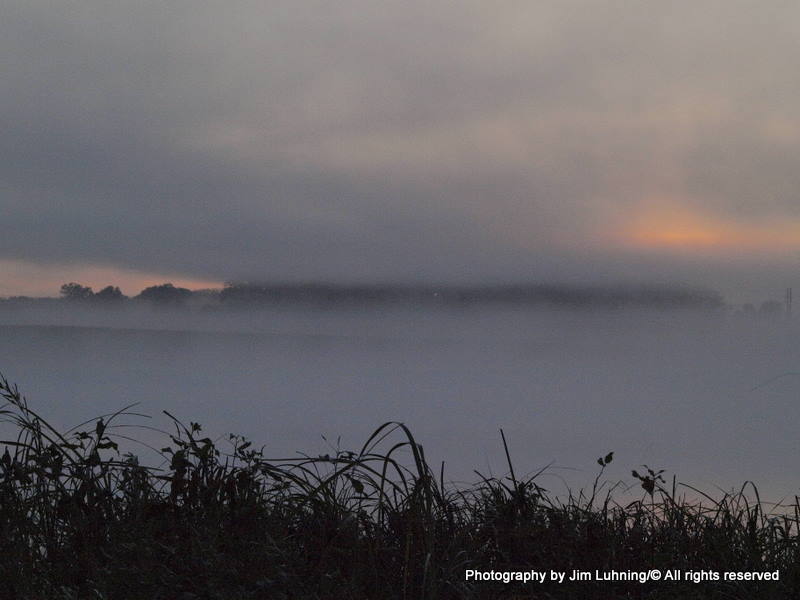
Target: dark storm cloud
(362,140)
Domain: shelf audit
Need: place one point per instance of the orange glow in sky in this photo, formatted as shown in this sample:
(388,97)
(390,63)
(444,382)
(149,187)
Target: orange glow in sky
(31,279)
(671,228)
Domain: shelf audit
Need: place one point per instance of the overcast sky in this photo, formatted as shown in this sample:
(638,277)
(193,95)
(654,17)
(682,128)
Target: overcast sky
(358,140)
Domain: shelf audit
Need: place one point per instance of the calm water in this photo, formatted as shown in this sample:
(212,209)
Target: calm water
(671,390)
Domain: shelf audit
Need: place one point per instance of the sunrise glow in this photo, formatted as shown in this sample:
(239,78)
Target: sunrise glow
(27,278)
(680,228)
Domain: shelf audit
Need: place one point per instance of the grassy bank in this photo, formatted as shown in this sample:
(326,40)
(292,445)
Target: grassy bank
(78,519)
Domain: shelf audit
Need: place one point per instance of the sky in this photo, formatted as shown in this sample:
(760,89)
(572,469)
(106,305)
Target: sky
(417,141)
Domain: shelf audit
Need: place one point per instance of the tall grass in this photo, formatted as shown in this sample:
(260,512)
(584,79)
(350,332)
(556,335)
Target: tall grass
(78,519)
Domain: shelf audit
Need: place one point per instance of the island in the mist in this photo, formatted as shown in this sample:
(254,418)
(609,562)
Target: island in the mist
(253,295)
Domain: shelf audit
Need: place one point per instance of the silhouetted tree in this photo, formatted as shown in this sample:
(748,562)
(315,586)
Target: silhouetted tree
(165,294)
(76,291)
(110,294)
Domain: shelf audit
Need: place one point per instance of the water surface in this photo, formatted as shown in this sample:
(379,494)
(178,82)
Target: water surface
(673,390)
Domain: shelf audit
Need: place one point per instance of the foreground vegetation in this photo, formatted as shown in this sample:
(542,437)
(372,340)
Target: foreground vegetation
(78,519)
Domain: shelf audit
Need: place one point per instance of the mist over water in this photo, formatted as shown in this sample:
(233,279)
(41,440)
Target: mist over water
(672,389)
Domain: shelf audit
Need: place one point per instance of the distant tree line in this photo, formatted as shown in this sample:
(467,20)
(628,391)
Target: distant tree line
(253,295)
(524,295)
(76,292)
(239,295)
(769,309)
(164,294)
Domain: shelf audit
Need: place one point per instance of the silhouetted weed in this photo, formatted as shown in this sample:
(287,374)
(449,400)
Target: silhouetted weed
(80,520)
